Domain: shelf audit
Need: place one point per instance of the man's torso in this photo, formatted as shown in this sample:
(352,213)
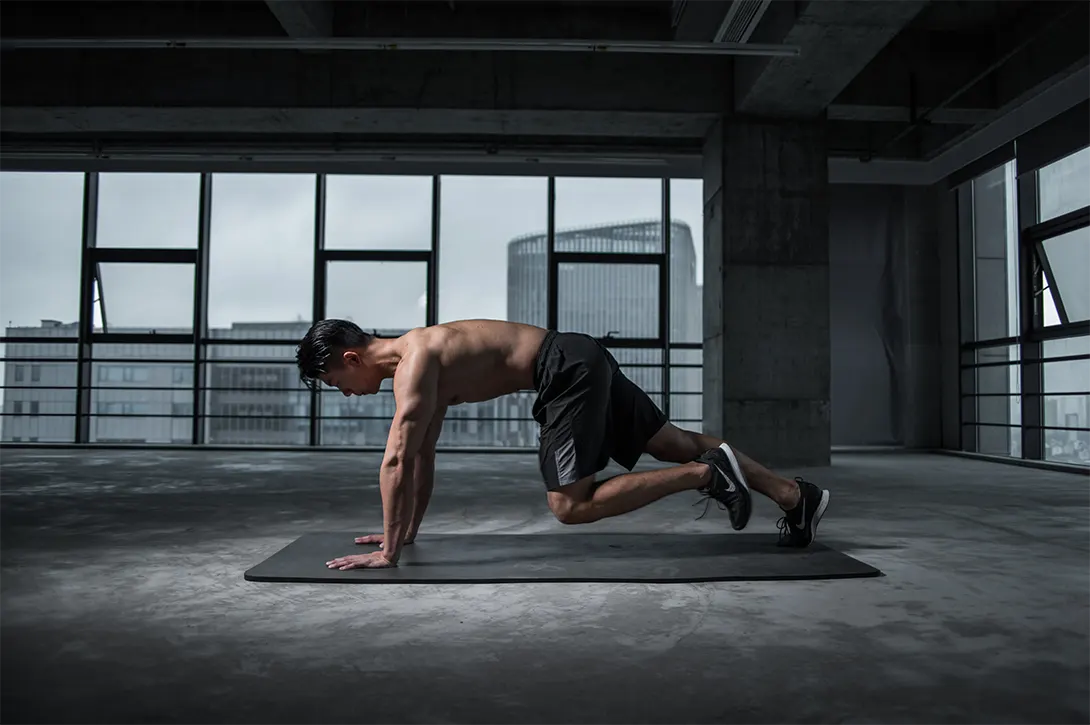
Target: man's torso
(479,359)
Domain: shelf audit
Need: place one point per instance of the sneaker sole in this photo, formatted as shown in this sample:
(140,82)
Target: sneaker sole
(817,516)
(734,465)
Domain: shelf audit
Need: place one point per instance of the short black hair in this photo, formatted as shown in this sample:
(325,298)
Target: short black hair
(326,341)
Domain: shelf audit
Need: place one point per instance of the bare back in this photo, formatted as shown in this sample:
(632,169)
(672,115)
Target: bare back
(479,359)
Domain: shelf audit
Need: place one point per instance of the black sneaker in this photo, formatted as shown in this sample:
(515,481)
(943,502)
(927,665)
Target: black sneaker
(798,527)
(728,485)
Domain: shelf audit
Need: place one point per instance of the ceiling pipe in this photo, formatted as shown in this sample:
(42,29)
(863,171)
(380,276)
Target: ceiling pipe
(408,44)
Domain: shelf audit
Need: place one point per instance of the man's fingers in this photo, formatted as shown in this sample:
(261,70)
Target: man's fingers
(369,539)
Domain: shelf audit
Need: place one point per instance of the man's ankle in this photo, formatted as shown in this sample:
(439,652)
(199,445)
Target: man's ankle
(705,472)
(793,498)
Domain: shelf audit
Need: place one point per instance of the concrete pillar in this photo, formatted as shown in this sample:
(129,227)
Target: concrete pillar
(766,289)
(921,401)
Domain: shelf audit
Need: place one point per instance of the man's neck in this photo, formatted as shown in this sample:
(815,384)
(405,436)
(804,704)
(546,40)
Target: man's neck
(384,354)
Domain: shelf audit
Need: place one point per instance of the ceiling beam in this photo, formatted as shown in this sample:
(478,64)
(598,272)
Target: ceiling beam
(304,18)
(193,123)
(836,38)
(903,114)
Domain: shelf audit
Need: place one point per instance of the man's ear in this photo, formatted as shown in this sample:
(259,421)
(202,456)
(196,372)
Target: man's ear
(352,358)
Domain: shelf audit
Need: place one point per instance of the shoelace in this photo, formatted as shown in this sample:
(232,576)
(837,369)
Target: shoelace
(707,501)
(785,528)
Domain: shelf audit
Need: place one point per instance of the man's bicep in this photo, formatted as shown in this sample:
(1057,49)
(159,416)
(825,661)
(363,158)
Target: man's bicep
(416,393)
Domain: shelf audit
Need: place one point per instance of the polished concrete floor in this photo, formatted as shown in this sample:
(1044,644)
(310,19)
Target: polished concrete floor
(123,601)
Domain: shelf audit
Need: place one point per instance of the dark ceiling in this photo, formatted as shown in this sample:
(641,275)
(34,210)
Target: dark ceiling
(931,77)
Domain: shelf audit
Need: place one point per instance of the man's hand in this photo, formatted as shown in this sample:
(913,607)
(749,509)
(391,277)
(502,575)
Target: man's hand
(377,539)
(374,560)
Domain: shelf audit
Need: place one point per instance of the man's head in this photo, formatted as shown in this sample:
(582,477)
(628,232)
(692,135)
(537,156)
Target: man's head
(334,352)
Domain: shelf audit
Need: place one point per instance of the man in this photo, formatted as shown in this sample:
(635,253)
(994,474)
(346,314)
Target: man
(588,411)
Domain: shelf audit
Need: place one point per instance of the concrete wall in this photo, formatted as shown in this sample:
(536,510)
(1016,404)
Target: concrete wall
(884,269)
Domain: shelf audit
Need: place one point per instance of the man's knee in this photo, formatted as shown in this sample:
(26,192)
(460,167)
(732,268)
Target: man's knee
(568,513)
(571,504)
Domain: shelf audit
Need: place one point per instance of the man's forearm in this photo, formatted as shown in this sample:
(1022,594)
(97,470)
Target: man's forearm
(423,480)
(396,487)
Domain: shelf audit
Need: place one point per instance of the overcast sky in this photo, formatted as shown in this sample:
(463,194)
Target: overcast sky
(262,236)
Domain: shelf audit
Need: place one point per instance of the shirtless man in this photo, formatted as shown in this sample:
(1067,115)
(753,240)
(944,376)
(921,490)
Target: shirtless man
(588,411)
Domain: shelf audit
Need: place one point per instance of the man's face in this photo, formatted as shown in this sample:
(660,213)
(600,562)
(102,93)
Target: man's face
(352,377)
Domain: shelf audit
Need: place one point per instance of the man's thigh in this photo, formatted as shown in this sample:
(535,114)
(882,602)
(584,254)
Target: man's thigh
(575,442)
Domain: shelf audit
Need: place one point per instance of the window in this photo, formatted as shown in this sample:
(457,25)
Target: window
(17,407)
(378,212)
(1063,186)
(144,298)
(247,380)
(383,296)
(1065,263)
(35,407)
(686,389)
(153,210)
(483,223)
(41,231)
(622,216)
(990,257)
(686,260)
(1066,387)
(617,300)
(261,254)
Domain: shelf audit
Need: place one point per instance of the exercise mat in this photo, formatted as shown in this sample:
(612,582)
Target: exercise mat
(581,557)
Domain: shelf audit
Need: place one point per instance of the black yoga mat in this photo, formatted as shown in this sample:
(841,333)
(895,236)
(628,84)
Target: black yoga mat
(582,557)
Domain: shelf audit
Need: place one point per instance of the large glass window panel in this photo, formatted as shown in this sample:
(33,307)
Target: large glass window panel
(992,394)
(618,300)
(1068,259)
(492,249)
(152,210)
(41,222)
(261,254)
(622,216)
(256,397)
(144,298)
(686,388)
(378,212)
(686,260)
(39,394)
(390,297)
(1066,403)
(1062,414)
(141,393)
(1066,376)
(358,420)
(994,288)
(993,440)
(527,280)
(1063,186)
(504,422)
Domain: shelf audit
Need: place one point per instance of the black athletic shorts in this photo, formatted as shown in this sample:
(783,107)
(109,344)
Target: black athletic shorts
(588,410)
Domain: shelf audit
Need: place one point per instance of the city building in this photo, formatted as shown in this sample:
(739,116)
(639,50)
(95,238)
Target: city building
(144,393)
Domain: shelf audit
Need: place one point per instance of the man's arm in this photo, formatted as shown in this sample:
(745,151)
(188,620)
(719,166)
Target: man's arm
(424,473)
(415,392)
